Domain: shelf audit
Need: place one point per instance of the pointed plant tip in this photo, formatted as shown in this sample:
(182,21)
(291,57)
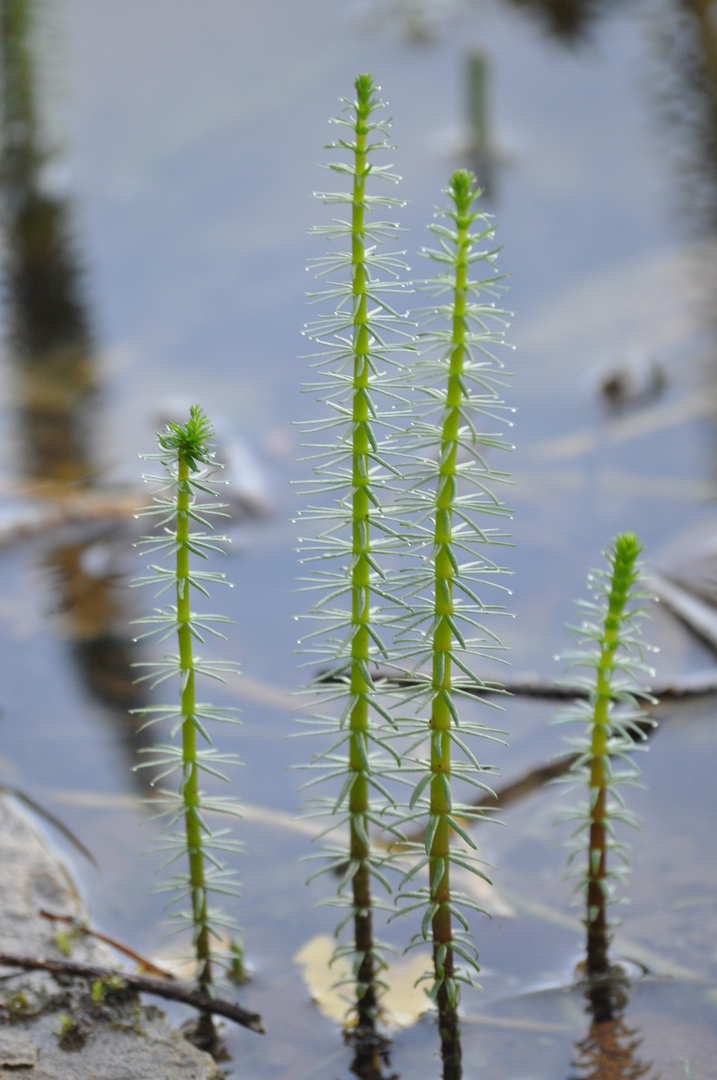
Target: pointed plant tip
(627,547)
(364,84)
(190,441)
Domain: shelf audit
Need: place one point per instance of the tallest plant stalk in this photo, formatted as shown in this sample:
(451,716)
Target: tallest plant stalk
(361,571)
(358,340)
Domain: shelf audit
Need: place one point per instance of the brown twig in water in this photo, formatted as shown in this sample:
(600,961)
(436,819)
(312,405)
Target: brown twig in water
(57,506)
(172,991)
(80,928)
(508,794)
(686,686)
(530,781)
(51,818)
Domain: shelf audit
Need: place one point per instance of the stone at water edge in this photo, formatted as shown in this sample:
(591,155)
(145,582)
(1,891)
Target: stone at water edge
(121,1041)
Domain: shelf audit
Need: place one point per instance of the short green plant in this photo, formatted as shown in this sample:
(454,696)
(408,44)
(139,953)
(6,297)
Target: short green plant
(66,1025)
(448,502)
(362,335)
(18,1007)
(107,987)
(611,648)
(72,1033)
(189,468)
(237,967)
(63,942)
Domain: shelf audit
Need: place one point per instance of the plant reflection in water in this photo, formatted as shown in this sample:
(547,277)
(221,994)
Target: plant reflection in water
(610,1048)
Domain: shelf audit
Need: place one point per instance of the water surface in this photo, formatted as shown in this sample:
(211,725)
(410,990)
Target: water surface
(158,163)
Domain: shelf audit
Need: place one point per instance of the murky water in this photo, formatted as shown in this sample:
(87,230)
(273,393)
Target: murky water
(156,171)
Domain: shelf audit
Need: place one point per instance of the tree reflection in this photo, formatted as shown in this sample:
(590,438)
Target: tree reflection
(609,1050)
(371,1060)
(51,350)
(685,39)
(568,20)
(47,323)
(420,20)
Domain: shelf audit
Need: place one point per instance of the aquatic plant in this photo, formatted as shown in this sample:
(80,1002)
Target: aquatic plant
(447,501)
(362,335)
(611,648)
(189,468)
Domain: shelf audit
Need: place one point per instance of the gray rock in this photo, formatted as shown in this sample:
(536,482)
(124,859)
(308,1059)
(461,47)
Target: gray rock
(54,1029)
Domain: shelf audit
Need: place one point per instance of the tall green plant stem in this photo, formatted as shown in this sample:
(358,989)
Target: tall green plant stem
(597,921)
(188,467)
(362,337)
(441,719)
(360,575)
(614,725)
(190,780)
(459,379)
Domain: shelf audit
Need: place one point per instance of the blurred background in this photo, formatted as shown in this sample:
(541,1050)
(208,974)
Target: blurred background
(157,162)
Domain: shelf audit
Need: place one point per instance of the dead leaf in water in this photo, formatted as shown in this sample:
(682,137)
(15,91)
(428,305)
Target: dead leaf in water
(403,1002)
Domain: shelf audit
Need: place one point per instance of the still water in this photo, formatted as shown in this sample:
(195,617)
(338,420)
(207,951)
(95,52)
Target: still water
(157,168)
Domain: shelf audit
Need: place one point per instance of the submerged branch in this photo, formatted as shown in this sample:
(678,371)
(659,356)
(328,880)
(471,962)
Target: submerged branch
(533,780)
(699,684)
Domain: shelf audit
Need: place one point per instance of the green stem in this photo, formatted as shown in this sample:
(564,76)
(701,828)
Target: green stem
(360,575)
(598,935)
(190,785)
(443,634)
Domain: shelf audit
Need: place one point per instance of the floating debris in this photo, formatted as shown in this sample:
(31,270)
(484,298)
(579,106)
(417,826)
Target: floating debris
(403,1002)
(699,617)
(633,379)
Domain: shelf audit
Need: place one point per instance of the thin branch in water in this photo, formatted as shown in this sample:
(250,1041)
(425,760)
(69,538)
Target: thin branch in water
(51,820)
(80,928)
(172,991)
(699,684)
